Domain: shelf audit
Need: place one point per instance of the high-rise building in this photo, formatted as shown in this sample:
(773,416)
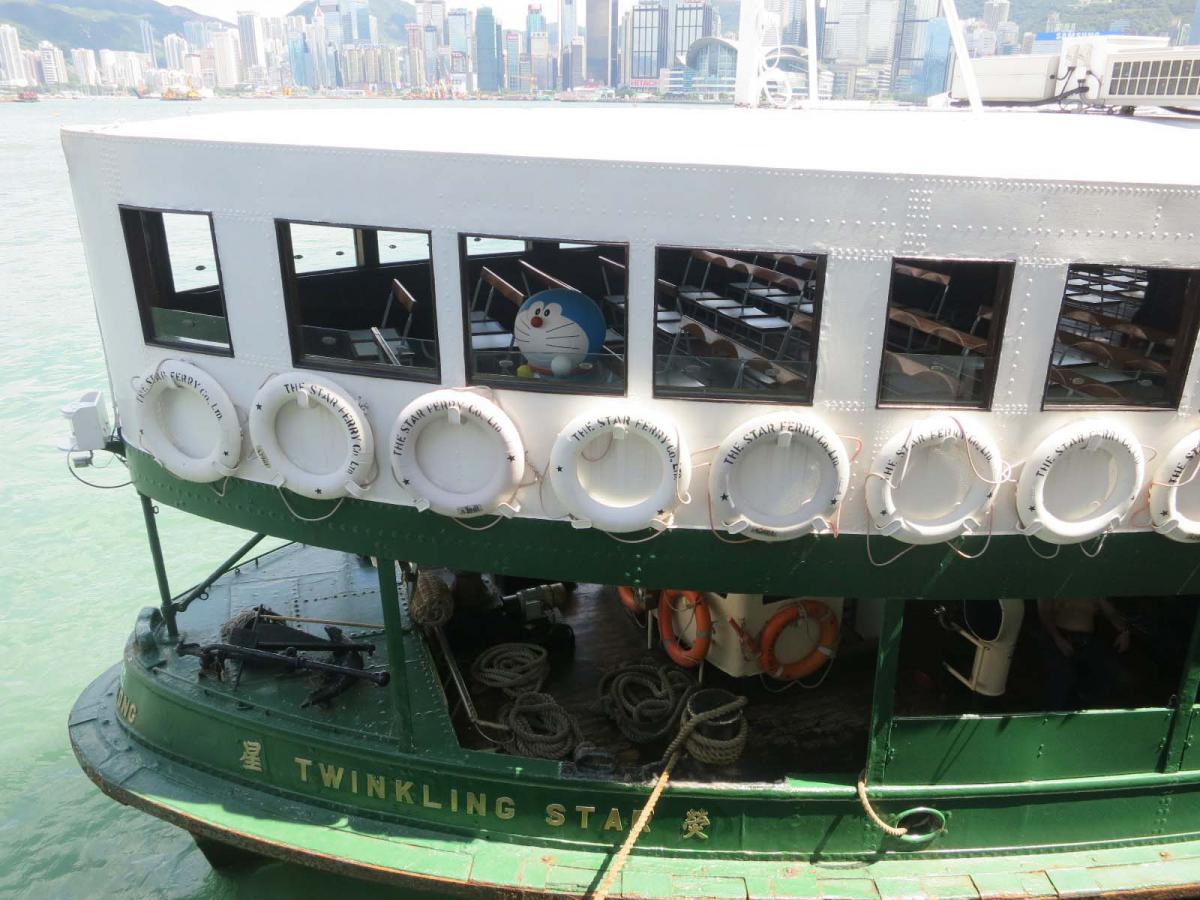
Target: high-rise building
(935,66)
(356,21)
(83,61)
(568,30)
(1194,36)
(512,62)
(250,34)
(431,42)
(54,66)
(846,26)
(881,31)
(148,41)
(539,61)
(458,36)
(12,63)
(226,46)
(645,51)
(995,12)
(601,27)
(693,20)
(535,20)
(432,13)
(175,48)
(195,33)
(487,50)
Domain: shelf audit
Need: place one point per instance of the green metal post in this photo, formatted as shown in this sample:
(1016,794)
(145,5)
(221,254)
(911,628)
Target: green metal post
(884,694)
(393,623)
(1185,700)
(160,568)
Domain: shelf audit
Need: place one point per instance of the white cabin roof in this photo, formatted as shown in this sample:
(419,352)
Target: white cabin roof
(996,144)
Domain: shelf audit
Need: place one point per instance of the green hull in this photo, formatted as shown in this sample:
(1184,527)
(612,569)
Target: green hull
(835,853)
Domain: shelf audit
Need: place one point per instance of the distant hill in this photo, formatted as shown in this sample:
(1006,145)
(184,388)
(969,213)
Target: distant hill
(393,15)
(1144,16)
(97,24)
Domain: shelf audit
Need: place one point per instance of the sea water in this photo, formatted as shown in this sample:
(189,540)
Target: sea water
(74,563)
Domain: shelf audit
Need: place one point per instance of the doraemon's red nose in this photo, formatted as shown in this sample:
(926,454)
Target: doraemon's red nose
(536,321)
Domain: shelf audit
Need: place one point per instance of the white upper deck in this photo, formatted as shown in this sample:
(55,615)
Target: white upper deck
(1023,145)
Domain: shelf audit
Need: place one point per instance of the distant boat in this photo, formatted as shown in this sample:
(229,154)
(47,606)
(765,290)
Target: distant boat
(27,97)
(172,94)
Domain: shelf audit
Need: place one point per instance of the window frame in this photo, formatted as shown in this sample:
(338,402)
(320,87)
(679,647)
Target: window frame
(523,384)
(1004,288)
(366,256)
(145,282)
(723,396)
(1189,324)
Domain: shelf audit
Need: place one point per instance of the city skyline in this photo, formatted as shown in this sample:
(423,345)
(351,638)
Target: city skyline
(510,13)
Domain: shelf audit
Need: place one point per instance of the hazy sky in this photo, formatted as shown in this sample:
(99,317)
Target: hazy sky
(509,12)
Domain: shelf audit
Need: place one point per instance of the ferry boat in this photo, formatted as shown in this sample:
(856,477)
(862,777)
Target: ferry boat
(676,502)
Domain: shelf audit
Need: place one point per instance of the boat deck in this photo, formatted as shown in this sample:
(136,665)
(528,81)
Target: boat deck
(793,729)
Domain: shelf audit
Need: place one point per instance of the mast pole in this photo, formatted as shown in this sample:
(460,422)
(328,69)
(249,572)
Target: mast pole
(393,622)
(160,568)
(964,60)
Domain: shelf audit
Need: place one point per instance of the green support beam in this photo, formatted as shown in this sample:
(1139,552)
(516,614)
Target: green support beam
(1185,700)
(393,621)
(884,692)
(160,567)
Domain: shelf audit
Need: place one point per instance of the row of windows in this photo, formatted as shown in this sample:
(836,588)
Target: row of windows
(551,315)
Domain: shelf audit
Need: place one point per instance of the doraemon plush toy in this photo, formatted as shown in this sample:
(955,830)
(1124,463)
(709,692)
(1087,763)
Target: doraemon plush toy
(557,330)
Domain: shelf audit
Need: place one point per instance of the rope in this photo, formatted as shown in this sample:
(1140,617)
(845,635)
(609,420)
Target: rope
(691,723)
(491,524)
(660,784)
(515,669)
(431,603)
(539,727)
(883,826)
(716,751)
(328,515)
(641,540)
(92,484)
(645,700)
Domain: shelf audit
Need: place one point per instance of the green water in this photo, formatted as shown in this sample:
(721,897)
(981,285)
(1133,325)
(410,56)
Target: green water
(74,564)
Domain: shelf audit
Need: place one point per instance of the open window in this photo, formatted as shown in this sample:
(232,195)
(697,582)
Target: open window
(545,314)
(1124,337)
(360,299)
(942,338)
(737,324)
(176,278)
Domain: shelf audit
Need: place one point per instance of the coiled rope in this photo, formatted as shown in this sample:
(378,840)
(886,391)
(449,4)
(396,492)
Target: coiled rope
(660,784)
(431,603)
(645,700)
(515,669)
(716,751)
(539,727)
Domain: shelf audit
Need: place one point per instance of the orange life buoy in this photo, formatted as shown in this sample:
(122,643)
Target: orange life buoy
(820,655)
(693,655)
(633,601)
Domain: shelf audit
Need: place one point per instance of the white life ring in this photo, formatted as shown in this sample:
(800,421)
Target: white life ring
(1178,469)
(337,459)
(217,428)
(1104,504)
(979,466)
(634,438)
(760,461)
(475,457)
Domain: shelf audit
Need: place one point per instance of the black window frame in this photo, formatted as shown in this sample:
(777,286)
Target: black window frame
(999,321)
(145,279)
(1189,324)
(718,395)
(366,255)
(523,384)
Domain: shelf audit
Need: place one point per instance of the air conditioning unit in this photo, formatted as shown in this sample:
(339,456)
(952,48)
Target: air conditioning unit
(1167,77)
(1009,78)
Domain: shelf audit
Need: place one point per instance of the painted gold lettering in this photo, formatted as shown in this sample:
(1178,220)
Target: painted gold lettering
(505,808)
(584,812)
(476,804)
(377,786)
(303,764)
(453,799)
(555,814)
(353,781)
(331,777)
(426,801)
(404,791)
(613,822)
